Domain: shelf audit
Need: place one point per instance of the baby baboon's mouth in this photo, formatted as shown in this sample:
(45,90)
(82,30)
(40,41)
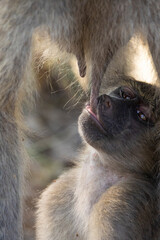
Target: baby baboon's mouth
(94,118)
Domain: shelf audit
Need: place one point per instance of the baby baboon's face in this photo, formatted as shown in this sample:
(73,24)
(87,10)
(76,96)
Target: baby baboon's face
(123,120)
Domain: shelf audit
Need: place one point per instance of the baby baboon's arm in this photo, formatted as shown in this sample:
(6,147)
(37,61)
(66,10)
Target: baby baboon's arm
(59,210)
(125,211)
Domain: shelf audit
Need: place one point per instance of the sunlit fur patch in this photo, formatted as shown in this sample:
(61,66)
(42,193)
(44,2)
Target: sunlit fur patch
(133,60)
(143,66)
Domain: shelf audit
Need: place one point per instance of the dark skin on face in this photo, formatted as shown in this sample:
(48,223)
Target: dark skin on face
(123,107)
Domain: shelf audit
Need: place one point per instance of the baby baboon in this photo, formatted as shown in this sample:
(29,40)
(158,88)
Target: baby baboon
(111,193)
(92,31)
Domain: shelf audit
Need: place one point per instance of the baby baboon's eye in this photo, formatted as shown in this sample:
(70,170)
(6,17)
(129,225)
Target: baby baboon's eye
(127,93)
(145,114)
(141,115)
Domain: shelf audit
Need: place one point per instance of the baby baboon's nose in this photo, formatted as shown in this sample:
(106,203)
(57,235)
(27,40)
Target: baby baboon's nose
(106,100)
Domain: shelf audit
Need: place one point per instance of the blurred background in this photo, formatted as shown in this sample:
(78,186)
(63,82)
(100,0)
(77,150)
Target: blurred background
(52,131)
